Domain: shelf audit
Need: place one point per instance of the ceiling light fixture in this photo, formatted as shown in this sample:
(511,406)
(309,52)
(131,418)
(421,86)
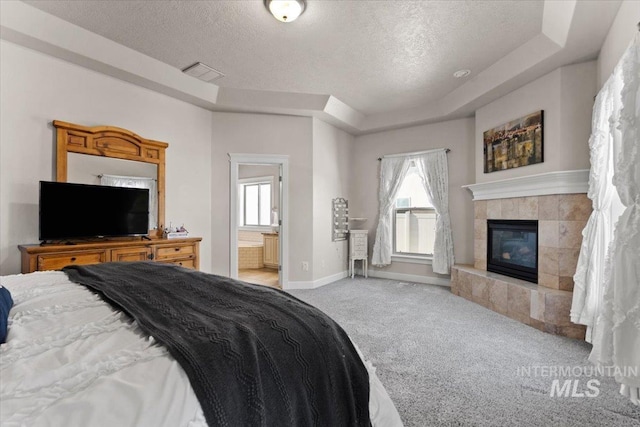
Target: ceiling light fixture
(461,73)
(285,10)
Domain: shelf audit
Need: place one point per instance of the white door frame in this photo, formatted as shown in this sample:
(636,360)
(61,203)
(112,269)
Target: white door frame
(236,159)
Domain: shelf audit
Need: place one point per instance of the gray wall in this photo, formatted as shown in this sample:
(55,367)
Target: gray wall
(332,162)
(264,134)
(621,33)
(458,135)
(566,96)
(37,89)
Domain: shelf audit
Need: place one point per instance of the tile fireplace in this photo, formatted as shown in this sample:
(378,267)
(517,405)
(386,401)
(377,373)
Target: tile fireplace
(549,211)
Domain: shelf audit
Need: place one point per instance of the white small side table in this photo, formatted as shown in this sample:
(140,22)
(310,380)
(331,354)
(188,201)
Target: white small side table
(358,251)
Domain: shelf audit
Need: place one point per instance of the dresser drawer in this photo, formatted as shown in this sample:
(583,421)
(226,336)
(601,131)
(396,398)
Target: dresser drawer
(130,254)
(360,244)
(360,239)
(57,261)
(175,251)
(358,254)
(188,263)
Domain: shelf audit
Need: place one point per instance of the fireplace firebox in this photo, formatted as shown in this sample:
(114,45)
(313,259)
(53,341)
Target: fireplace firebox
(512,248)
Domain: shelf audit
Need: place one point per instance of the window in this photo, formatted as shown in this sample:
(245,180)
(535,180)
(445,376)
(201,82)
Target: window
(255,203)
(414,218)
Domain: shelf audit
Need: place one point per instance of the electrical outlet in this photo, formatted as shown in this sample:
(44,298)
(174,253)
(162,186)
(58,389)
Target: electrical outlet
(305,265)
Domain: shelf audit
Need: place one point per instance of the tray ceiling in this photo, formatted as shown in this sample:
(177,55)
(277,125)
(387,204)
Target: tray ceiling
(366,65)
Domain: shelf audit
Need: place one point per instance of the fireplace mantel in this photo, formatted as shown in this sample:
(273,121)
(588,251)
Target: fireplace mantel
(563,182)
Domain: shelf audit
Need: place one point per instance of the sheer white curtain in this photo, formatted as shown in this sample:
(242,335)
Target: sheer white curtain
(588,289)
(392,173)
(137,182)
(435,178)
(616,341)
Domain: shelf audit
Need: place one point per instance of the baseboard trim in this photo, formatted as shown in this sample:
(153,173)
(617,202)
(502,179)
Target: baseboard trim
(313,284)
(410,278)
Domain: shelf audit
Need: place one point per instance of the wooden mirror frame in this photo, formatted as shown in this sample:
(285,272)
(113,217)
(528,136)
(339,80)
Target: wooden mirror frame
(110,141)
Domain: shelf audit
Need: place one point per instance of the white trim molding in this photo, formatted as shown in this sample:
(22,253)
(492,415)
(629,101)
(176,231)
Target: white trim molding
(563,182)
(256,228)
(256,179)
(412,259)
(313,284)
(235,160)
(415,278)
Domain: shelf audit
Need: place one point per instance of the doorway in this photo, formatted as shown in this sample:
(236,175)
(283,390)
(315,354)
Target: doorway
(259,219)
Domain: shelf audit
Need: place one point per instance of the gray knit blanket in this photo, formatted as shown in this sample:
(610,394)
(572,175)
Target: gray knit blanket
(255,356)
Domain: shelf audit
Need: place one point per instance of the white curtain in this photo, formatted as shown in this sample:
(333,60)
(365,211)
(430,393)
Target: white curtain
(588,289)
(435,178)
(616,341)
(392,173)
(137,182)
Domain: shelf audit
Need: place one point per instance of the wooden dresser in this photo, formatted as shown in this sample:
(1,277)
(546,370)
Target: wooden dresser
(184,252)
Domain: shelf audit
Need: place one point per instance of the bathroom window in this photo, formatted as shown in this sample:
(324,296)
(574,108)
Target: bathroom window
(255,203)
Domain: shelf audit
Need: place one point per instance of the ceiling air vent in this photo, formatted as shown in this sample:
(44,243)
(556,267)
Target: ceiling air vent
(203,72)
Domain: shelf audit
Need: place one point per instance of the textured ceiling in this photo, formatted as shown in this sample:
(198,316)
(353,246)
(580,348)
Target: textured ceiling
(376,56)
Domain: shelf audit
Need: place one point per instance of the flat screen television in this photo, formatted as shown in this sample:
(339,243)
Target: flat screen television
(70,211)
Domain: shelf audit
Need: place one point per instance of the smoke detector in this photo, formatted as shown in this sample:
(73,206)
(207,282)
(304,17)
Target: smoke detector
(461,73)
(203,72)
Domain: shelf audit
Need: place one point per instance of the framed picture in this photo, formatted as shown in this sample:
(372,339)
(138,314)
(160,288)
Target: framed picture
(514,144)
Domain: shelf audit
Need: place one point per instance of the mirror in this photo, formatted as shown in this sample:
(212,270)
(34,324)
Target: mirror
(83,169)
(87,169)
(83,153)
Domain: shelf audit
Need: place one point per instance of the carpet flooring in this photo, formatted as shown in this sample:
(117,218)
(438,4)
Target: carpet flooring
(446,361)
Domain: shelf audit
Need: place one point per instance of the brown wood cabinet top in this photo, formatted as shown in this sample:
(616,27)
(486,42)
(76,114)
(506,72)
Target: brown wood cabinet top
(101,244)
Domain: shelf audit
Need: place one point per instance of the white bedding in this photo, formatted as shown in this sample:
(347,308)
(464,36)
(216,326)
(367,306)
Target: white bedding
(72,360)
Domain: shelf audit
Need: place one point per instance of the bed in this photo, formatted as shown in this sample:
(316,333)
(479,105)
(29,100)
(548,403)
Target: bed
(74,358)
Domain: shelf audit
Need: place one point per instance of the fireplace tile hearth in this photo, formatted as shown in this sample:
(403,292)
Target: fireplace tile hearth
(498,297)
(537,306)
(519,302)
(480,292)
(565,283)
